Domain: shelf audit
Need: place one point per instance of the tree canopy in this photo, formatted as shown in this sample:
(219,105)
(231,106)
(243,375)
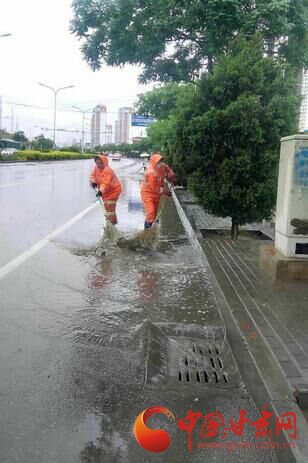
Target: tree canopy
(174,40)
(162,101)
(20,136)
(131,150)
(5,134)
(42,144)
(223,138)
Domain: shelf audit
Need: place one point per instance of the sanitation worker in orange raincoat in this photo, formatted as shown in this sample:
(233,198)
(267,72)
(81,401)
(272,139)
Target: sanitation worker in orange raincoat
(108,184)
(153,186)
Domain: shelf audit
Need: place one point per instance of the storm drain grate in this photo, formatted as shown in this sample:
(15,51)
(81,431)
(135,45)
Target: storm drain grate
(189,357)
(201,364)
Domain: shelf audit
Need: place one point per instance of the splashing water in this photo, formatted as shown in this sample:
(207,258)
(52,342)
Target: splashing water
(111,235)
(143,240)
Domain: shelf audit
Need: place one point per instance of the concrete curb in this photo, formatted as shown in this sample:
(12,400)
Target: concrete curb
(259,370)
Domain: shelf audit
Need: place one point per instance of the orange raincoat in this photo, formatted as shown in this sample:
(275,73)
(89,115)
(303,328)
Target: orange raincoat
(153,185)
(110,187)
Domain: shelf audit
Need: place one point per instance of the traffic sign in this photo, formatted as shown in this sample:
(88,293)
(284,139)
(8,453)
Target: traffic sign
(139,120)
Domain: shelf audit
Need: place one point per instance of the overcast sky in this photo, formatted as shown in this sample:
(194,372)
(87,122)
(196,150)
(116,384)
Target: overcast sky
(42,49)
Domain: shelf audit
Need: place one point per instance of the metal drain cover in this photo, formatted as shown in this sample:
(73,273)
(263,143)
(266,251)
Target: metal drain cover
(189,356)
(196,361)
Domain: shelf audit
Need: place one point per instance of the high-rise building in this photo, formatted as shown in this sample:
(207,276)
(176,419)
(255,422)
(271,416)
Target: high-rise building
(98,125)
(109,140)
(93,138)
(304,105)
(117,132)
(124,124)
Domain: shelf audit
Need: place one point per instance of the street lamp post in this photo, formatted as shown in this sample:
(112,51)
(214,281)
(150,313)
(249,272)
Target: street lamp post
(83,111)
(55,92)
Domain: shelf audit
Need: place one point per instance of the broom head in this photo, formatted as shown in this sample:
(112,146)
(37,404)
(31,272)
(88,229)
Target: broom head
(145,239)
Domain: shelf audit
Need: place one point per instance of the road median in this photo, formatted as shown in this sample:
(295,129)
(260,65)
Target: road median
(26,156)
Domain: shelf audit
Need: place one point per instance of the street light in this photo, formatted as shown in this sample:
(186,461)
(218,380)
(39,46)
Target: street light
(55,91)
(83,119)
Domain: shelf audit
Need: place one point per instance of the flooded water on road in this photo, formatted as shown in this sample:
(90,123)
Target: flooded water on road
(125,289)
(73,331)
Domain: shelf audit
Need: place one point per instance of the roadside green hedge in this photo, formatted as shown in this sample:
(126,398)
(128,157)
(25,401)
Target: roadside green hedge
(28,155)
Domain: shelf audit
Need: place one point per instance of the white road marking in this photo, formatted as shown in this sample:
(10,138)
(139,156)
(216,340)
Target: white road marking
(15,263)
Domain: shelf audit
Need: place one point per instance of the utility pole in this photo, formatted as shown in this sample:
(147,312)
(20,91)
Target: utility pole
(2,35)
(12,119)
(83,111)
(55,92)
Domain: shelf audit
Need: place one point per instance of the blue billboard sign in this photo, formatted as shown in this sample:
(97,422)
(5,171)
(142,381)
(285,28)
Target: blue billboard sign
(139,120)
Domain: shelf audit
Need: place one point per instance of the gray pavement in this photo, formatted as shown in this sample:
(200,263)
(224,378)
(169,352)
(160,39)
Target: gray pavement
(270,316)
(88,343)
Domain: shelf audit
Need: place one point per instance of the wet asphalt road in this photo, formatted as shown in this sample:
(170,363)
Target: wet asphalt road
(74,328)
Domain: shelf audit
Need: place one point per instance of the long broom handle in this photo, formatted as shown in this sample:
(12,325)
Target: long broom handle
(100,200)
(104,210)
(160,212)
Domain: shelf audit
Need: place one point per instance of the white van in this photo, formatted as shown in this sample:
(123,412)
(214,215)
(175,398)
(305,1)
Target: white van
(116,157)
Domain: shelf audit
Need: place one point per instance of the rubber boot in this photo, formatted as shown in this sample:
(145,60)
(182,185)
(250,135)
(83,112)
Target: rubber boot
(113,220)
(147,225)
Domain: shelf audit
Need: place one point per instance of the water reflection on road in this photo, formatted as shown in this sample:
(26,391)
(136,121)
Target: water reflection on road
(79,323)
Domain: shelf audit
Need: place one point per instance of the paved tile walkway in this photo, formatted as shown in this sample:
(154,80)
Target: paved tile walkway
(278,309)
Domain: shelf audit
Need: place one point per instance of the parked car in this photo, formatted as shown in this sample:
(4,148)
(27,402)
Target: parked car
(116,157)
(9,151)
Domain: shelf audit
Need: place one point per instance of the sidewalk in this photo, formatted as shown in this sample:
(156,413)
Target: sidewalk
(271,317)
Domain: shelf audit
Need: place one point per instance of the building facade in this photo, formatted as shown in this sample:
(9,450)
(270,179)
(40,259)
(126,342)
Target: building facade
(117,132)
(137,140)
(98,125)
(124,124)
(109,134)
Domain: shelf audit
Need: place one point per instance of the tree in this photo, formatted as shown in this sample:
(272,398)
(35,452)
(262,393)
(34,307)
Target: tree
(128,149)
(162,101)
(176,39)
(20,136)
(228,133)
(161,135)
(42,144)
(5,134)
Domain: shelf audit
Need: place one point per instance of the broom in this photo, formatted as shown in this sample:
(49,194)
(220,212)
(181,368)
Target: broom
(146,238)
(111,233)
